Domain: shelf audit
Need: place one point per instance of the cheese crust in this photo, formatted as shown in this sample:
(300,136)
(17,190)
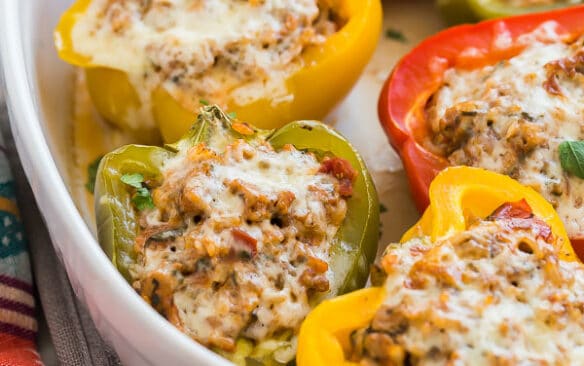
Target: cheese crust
(495,294)
(240,241)
(194,49)
(511,117)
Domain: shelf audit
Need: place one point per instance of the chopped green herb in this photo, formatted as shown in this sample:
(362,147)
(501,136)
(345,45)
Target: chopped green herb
(380,233)
(92,174)
(135,180)
(141,198)
(245,255)
(203,264)
(396,35)
(527,116)
(469,113)
(155,300)
(203,102)
(232,115)
(572,157)
(382,208)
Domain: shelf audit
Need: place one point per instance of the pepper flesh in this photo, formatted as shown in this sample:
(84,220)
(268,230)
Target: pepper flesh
(466,11)
(117,221)
(420,73)
(329,71)
(457,195)
(456,11)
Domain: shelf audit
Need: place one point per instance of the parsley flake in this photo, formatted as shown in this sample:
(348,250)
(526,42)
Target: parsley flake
(203,102)
(572,157)
(232,115)
(396,35)
(382,208)
(92,174)
(141,199)
(135,180)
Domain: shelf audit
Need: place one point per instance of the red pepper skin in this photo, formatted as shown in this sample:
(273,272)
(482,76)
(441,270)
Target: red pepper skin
(519,215)
(420,73)
(513,210)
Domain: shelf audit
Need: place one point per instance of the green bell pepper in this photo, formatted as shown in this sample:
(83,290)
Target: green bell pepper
(468,11)
(355,243)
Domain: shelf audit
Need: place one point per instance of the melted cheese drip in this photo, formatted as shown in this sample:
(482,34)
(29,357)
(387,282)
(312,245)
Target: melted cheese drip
(200,49)
(269,295)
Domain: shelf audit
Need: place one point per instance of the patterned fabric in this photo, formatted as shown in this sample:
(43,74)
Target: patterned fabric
(18,326)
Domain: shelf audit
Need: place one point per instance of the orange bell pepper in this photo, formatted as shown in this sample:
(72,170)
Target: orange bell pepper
(328,73)
(457,196)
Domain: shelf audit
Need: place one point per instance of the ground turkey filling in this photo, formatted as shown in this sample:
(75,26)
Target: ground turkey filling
(495,294)
(239,241)
(512,116)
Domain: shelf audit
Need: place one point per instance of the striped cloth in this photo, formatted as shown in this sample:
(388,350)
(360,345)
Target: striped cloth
(18,325)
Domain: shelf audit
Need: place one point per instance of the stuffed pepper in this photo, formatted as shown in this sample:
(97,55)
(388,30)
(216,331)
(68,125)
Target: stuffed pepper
(149,63)
(464,11)
(505,95)
(486,277)
(233,234)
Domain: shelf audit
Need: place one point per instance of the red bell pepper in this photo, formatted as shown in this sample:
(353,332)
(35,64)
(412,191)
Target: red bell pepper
(420,73)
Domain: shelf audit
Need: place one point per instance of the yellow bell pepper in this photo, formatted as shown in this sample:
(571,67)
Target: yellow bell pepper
(458,195)
(329,71)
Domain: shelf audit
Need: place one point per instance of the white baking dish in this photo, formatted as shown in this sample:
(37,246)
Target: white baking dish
(39,104)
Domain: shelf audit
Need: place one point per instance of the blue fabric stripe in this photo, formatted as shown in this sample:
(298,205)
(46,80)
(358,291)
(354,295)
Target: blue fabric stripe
(14,259)
(7,190)
(17,266)
(11,235)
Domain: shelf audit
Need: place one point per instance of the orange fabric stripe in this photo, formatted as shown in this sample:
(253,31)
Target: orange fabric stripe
(15,318)
(14,294)
(16,351)
(8,206)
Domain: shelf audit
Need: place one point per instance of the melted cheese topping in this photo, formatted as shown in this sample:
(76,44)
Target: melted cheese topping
(239,241)
(491,295)
(201,49)
(511,117)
